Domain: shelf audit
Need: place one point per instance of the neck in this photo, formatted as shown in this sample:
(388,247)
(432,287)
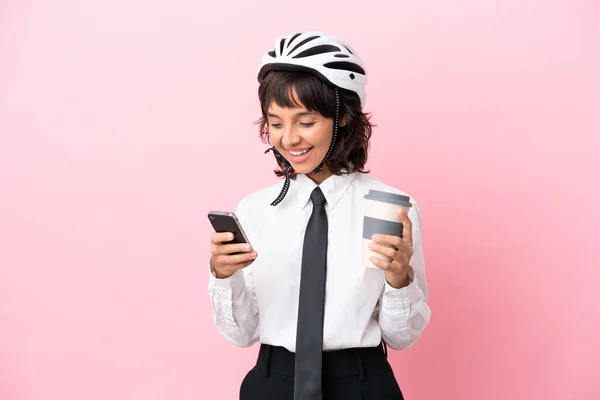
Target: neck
(320,177)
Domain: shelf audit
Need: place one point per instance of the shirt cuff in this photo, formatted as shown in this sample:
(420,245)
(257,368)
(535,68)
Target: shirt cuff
(229,287)
(403,296)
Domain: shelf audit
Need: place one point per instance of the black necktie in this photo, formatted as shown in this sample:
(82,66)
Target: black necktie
(309,334)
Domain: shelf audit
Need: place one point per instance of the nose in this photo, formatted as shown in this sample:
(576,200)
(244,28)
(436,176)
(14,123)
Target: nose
(290,137)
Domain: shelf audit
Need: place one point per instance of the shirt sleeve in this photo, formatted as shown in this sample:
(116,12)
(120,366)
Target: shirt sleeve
(403,313)
(233,300)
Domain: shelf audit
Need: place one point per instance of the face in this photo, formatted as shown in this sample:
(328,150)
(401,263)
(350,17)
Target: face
(302,137)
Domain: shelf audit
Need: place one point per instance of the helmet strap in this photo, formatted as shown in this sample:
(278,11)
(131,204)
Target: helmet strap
(289,170)
(336,125)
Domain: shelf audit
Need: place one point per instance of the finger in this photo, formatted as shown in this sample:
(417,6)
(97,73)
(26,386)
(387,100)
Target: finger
(407,226)
(392,267)
(236,259)
(398,256)
(235,267)
(221,237)
(388,239)
(386,251)
(221,249)
(380,263)
(400,251)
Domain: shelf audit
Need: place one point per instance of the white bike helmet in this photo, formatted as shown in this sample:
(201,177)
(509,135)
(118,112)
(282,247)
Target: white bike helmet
(326,56)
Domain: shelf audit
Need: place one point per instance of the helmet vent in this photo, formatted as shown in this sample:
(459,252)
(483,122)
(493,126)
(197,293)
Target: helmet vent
(347,66)
(281,44)
(303,42)
(292,39)
(324,48)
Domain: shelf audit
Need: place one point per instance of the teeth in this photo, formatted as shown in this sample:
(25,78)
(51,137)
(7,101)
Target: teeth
(299,153)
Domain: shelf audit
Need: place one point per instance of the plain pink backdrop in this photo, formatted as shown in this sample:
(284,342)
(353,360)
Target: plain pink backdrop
(122,123)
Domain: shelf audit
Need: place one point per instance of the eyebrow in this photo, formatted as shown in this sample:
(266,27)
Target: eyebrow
(299,114)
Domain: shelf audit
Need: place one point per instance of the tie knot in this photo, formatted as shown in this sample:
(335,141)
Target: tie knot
(317,197)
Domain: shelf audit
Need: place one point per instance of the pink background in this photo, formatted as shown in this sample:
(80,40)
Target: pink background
(123,123)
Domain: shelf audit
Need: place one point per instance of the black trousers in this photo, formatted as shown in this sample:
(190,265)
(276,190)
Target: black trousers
(352,374)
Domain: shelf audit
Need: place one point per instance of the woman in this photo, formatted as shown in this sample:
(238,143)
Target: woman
(305,237)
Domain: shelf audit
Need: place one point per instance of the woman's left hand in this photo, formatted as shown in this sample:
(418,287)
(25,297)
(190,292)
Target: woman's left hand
(396,271)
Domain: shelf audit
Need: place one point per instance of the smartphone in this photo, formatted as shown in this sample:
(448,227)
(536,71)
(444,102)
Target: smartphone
(223,221)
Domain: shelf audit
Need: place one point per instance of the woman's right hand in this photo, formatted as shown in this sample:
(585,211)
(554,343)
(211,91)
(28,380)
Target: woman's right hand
(224,263)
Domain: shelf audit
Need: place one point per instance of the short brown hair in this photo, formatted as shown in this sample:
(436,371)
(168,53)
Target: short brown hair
(352,144)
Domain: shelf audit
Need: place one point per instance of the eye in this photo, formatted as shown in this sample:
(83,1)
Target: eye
(307,124)
(275,126)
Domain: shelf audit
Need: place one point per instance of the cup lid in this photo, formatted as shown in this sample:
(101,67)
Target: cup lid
(387,197)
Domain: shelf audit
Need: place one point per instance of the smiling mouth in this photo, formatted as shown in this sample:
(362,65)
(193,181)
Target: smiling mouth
(299,156)
(299,153)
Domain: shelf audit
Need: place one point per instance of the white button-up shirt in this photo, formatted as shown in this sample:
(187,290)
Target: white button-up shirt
(260,302)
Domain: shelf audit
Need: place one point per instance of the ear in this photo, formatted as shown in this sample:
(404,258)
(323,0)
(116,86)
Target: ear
(344,122)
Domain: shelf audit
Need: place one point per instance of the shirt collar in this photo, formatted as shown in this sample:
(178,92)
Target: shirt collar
(333,188)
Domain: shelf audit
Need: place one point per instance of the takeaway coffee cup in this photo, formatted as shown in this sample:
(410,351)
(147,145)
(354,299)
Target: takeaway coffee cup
(381,217)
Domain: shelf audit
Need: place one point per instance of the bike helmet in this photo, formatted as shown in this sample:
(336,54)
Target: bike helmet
(326,57)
